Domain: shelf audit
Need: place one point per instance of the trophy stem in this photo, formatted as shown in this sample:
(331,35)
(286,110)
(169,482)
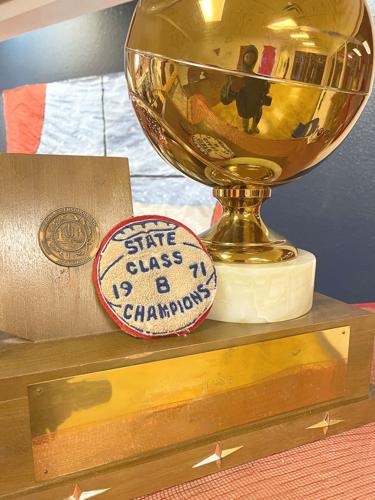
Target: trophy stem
(241,235)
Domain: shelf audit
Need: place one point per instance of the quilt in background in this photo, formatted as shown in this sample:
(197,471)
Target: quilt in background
(93,116)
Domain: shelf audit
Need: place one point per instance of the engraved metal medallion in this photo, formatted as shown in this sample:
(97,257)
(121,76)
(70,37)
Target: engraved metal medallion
(69,237)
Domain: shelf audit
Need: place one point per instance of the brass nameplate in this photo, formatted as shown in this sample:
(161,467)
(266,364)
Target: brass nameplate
(94,419)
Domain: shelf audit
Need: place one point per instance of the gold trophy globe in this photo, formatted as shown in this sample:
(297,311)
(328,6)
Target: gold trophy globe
(243,95)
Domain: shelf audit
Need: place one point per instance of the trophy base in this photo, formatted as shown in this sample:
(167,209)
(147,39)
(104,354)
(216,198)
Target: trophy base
(107,411)
(268,293)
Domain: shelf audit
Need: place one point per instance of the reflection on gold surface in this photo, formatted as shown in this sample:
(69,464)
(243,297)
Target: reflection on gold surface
(212,10)
(137,409)
(210,32)
(260,83)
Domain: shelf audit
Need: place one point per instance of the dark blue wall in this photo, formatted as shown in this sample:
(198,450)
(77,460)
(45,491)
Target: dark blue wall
(330,212)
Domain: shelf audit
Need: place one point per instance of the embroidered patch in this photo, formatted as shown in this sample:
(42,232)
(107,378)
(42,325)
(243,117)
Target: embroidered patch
(154,277)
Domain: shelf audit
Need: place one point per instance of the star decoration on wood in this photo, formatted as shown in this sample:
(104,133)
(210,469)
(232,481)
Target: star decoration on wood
(217,456)
(78,494)
(326,423)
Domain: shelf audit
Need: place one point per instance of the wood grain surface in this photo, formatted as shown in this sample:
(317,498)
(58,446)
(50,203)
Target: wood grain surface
(41,300)
(175,466)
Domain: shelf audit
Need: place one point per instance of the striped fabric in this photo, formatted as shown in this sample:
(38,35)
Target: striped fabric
(93,116)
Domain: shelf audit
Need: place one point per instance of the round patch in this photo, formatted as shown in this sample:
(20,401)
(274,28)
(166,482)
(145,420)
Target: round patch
(210,147)
(154,277)
(69,237)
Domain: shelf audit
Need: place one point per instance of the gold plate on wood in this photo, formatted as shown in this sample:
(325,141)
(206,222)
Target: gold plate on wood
(69,237)
(127,412)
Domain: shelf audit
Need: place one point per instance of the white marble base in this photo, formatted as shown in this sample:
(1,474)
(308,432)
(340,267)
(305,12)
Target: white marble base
(250,293)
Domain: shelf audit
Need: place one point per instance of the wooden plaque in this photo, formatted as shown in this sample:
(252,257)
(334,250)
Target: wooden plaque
(54,210)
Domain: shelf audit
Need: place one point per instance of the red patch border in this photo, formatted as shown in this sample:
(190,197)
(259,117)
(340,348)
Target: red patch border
(124,326)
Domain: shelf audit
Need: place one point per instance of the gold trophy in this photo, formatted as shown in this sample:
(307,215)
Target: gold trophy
(242,97)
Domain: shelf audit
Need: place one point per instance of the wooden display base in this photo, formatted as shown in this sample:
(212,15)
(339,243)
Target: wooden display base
(129,416)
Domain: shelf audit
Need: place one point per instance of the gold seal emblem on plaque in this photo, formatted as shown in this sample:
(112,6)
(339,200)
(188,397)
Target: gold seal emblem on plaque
(69,237)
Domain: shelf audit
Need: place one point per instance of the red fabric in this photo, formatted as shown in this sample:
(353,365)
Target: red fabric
(24,115)
(268,60)
(218,212)
(369,306)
